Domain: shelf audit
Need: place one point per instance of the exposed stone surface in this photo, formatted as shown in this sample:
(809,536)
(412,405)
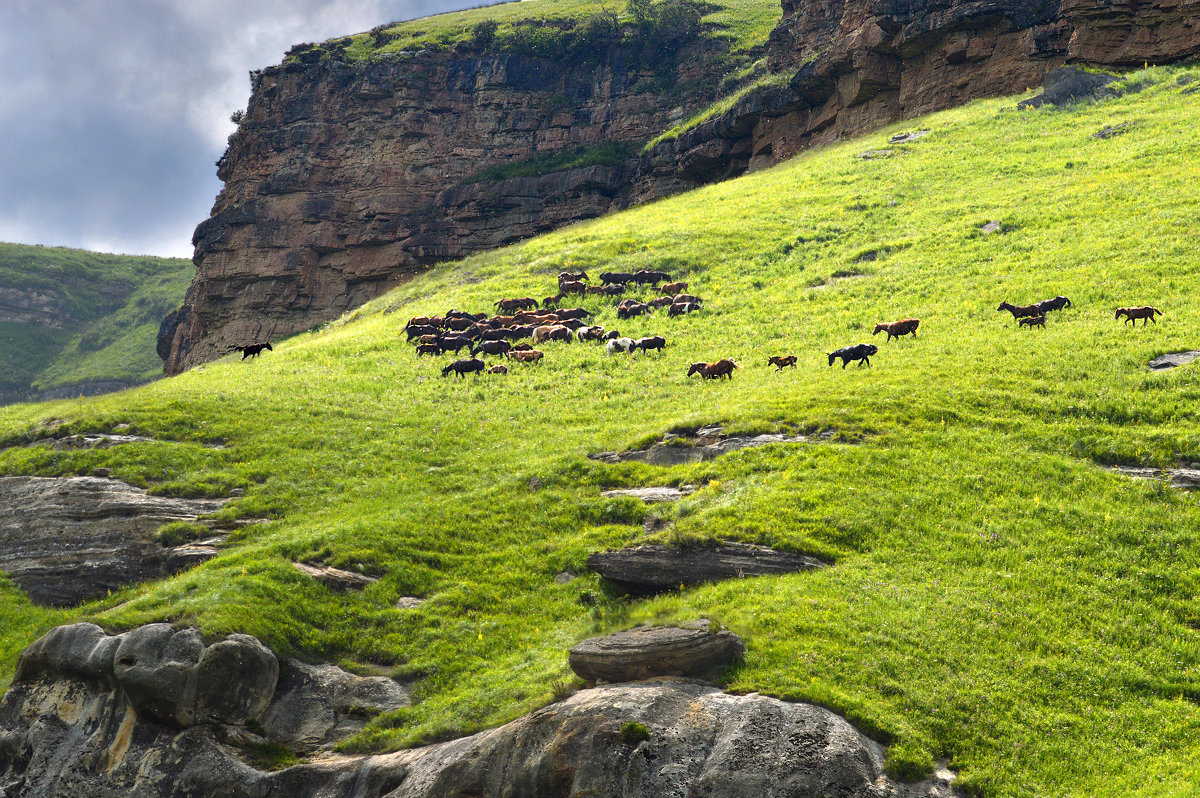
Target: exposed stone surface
(648,495)
(1068,84)
(317,705)
(66,539)
(32,306)
(706,444)
(654,568)
(650,651)
(343,179)
(1185,478)
(77,722)
(335,578)
(92,441)
(409,602)
(1174,359)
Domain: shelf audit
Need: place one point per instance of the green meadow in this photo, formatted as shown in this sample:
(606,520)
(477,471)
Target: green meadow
(998,599)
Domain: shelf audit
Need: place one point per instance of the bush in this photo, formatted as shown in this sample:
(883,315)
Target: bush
(483,34)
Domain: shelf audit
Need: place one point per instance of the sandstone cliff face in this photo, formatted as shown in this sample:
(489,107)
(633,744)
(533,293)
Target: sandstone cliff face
(344,178)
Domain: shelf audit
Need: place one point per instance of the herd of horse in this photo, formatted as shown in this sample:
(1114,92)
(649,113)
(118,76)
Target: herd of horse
(496,335)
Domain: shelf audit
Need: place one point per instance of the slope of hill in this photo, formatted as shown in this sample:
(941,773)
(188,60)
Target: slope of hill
(998,598)
(74,322)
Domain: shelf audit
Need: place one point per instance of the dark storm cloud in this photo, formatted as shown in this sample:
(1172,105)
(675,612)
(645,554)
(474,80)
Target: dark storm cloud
(113,113)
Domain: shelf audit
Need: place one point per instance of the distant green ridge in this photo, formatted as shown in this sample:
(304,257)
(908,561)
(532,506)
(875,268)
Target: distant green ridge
(98,319)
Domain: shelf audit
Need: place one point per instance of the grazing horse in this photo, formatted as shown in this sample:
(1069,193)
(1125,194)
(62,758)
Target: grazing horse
(860,352)
(895,329)
(519,303)
(1020,311)
(1058,303)
(1133,314)
(780,361)
(253,350)
(656,342)
(464,367)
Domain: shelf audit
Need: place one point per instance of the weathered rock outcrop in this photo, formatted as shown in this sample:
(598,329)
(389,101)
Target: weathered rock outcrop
(156,713)
(66,539)
(856,65)
(654,568)
(649,651)
(316,705)
(345,178)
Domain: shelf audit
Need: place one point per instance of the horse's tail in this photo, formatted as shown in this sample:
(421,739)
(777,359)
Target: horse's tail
(1067,304)
(1156,310)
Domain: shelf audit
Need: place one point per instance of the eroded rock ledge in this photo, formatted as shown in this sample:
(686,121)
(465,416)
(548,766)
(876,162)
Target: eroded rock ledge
(655,568)
(67,539)
(156,713)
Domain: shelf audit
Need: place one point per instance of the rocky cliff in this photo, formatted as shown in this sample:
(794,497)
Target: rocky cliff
(345,178)
(856,65)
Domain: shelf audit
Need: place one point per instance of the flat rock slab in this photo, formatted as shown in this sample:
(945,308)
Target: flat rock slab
(317,705)
(67,539)
(335,578)
(648,495)
(679,450)
(650,651)
(655,569)
(92,441)
(904,138)
(1173,359)
(1183,478)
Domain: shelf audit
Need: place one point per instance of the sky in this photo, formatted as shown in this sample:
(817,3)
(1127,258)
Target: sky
(114,112)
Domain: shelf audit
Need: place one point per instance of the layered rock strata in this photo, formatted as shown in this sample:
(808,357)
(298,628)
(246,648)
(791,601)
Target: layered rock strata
(67,539)
(655,568)
(649,651)
(157,713)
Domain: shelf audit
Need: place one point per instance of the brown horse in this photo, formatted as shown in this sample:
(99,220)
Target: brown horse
(1133,314)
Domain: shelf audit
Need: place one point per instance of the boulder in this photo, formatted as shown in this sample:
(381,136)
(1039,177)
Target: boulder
(168,674)
(655,568)
(1173,360)
(317,705)
(67,539)
(650,651)
(1068,84)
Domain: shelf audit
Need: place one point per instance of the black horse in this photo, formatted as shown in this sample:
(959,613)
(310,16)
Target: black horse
(464,367)
(860,352)
(253,350)
(1058,303)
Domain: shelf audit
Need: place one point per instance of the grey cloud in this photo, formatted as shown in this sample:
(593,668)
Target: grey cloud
(112,114)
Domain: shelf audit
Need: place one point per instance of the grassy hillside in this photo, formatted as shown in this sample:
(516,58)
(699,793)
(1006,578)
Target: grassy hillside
(108,308)
(745,23)
(998,599)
